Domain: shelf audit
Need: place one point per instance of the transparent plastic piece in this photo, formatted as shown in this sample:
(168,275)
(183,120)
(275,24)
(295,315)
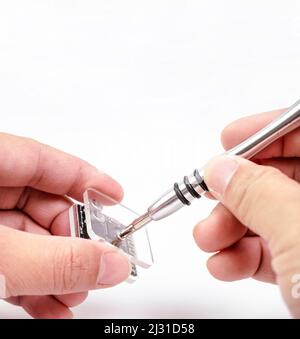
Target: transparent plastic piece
(102,218)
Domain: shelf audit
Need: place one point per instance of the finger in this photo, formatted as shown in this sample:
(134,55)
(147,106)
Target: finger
(26,162)
(72,300)
(260,197)
(238,131)
(9,197)
(267,201)
(69,300)
(48,210)
(20,221)
(288,166)
(220,230)
(249,257)
(57,265)
(45,307)
(42,307)
(13,300)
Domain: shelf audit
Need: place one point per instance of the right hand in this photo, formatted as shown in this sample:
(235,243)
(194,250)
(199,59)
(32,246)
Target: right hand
(256,227)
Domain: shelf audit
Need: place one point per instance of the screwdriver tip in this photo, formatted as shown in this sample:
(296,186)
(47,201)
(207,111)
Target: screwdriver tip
(133,227)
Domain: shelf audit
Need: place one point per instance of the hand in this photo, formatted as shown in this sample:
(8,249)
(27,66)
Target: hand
(256,227)
(45,274)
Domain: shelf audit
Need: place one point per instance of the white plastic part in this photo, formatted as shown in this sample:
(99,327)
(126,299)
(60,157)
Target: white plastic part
(102,218)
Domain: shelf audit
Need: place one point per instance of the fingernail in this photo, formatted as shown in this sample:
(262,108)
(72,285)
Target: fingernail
(218,174)
(114,268)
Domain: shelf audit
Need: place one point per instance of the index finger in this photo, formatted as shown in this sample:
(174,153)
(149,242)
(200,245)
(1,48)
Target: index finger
(26,162)
(240,130)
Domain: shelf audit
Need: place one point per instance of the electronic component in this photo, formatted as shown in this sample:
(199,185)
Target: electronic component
(88,221)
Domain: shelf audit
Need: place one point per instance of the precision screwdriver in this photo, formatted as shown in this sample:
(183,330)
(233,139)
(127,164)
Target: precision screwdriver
(193,186)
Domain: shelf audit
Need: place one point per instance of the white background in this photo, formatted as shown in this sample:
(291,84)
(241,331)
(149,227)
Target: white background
(142,90)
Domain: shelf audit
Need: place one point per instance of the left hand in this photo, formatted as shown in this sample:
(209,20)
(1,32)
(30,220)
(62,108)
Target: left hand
(35,181)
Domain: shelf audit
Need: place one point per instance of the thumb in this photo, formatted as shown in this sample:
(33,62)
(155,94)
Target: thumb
(33,264)
(261,197)
(266,201)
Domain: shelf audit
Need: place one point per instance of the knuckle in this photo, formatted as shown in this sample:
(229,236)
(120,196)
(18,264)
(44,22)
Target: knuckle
(249,195)
(70,265)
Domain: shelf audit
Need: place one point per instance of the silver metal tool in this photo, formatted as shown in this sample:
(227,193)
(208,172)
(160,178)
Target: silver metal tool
(193,186)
